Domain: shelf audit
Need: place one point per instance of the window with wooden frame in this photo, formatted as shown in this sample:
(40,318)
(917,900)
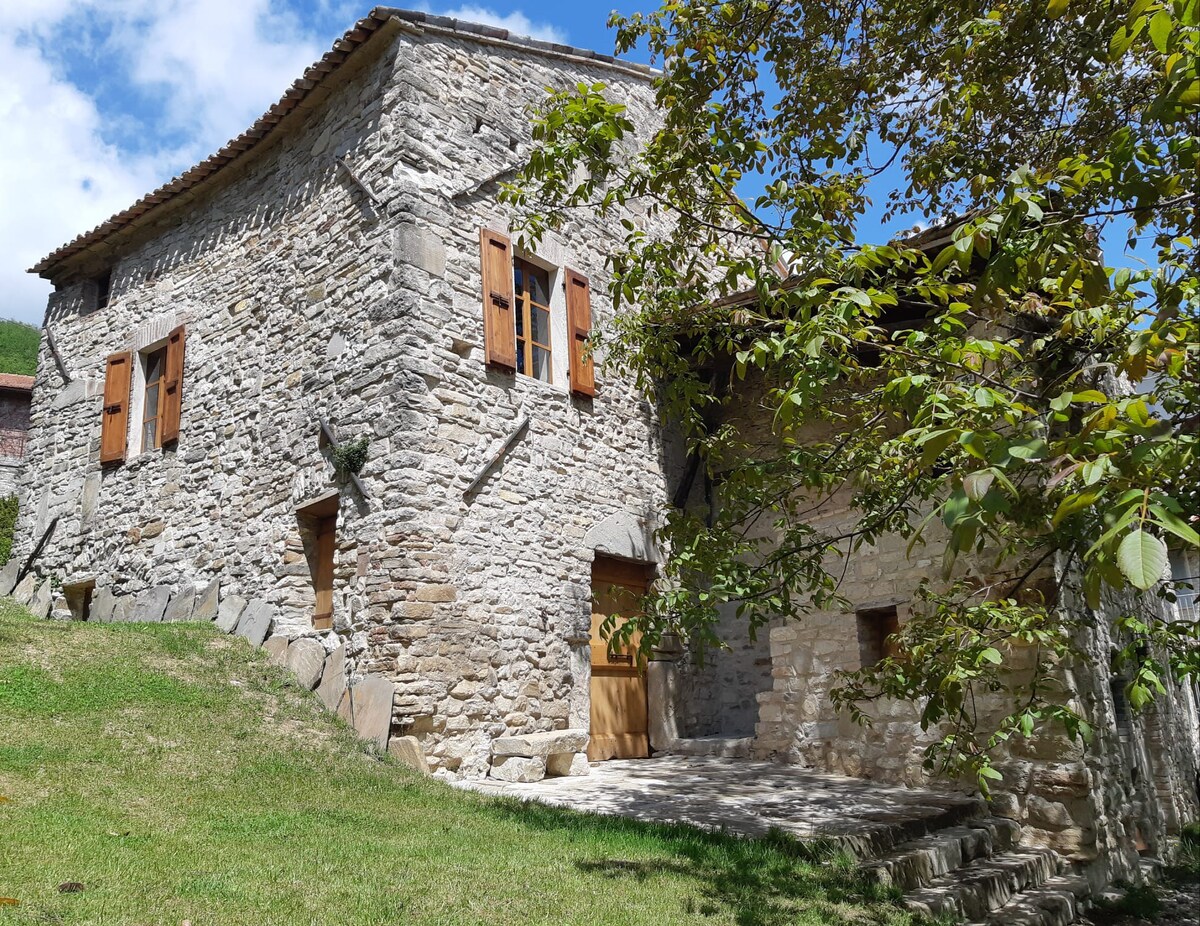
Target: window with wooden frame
(531,287)
(150,383)
(520,303)
(155,365)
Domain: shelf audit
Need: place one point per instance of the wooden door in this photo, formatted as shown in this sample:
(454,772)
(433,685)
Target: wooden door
(326,530)
(619,721)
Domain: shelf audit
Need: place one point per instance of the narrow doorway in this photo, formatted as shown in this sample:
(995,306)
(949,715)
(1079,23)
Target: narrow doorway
(619,709)
(318,530)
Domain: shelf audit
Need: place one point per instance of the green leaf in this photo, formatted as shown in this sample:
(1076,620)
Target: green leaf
(1142,558)
(992,655)
(1056,8)
(1176,525)
(976,484)
(1160,30)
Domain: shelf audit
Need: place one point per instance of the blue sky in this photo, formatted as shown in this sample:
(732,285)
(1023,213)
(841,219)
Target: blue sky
(101,101)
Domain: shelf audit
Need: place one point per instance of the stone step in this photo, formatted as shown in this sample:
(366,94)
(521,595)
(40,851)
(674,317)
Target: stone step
(917,862)
(871,836)
(1056,902)
(976,890)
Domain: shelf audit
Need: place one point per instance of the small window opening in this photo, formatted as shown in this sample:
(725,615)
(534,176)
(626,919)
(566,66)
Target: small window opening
(478,125)
(79,599)
(1122,717)
(103,289)
(531,286)
(152,408)
(876,629)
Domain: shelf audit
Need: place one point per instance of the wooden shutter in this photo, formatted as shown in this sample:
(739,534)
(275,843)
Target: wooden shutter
(114,423)
(172,388)
(579,326)
(499,327)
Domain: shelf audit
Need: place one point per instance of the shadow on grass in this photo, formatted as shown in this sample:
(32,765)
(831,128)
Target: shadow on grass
(763,881)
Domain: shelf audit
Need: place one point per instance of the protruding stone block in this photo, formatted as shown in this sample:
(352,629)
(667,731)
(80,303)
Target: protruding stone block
(371,709)
(43,597)
(541,745)
(571,764)
(8,576)
(151,605)
(277,651)
(333,679)
(229,612)
(255,622)
(103,602)
(407,751)
(25,589)
(206,602)
(124,609)
(181,605)
(306,659)
(519,768)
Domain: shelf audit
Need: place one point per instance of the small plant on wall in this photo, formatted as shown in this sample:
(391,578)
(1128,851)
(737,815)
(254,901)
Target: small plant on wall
(351,456)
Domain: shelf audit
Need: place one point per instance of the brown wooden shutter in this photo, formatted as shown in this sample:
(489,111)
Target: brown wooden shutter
(579,326)
(499,327)
(114,423)
(172,388)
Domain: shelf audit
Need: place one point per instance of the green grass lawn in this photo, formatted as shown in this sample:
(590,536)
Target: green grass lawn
(18,347)
(179,778)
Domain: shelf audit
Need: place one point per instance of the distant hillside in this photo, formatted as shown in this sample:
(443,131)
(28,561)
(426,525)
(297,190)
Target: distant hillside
(18,347)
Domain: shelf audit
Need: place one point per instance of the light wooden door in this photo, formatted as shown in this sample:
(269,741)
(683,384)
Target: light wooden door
(619,721)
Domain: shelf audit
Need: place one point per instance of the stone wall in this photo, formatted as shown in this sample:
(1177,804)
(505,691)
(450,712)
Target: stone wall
(1098,802)
(302,300)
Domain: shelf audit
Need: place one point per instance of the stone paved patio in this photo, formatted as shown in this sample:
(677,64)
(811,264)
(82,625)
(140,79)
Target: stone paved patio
(745,797)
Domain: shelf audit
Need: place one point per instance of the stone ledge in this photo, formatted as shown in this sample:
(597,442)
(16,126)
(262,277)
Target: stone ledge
(540,745)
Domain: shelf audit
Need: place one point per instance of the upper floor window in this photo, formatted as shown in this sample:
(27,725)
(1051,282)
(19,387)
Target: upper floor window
(154,398)
(518,317)
(531,285)
(103,289)
(153,380)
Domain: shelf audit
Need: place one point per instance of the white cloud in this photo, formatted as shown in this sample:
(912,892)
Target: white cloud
(57,175)
(517,22)
(185,76)
(217,64)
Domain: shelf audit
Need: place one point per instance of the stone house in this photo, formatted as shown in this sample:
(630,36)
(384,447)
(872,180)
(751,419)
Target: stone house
(340,282)
(342,274)
(16,394)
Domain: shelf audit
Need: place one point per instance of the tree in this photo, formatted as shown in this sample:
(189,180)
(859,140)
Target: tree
(990,374)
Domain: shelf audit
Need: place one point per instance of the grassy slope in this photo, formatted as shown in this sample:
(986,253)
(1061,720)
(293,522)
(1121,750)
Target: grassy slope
(180,778)
(18,347)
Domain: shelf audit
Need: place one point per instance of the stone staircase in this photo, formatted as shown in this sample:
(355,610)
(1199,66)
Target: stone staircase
(967,866)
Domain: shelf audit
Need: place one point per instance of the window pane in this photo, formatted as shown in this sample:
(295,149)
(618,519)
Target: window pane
(517,287)
(149,430)
(520,315)
(541,364)
(154,365)
(540,321)
(151,410)
(520,356)
(539,286)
